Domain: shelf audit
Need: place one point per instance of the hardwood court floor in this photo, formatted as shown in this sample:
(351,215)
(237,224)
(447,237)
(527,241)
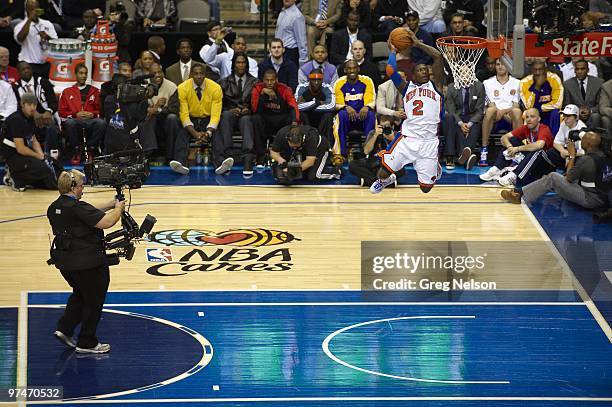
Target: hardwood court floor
(323,229)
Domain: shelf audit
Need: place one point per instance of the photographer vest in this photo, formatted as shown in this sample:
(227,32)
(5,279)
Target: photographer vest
(76,245)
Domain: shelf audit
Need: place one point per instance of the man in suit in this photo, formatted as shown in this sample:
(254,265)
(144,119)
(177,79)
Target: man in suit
(320,17)
(341,41)
(200,101)
(179,71)
(605,106)
(237,89)
(286,70)
(463,123)
(584,91)
(366,67)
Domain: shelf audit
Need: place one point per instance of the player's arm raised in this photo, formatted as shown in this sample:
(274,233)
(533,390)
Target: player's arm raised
(438,60)
(391,69)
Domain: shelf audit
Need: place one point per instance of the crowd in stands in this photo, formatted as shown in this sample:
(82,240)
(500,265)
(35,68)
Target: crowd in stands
(320,76)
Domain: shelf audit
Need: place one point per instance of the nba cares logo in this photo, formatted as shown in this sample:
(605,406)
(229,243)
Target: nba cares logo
(159,255)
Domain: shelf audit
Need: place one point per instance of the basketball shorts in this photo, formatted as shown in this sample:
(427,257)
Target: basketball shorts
(409,150)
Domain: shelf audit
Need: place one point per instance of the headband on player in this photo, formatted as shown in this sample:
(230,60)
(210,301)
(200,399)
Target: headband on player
(315,76)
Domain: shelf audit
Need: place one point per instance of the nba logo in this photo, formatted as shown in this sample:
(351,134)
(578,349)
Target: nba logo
(159,255)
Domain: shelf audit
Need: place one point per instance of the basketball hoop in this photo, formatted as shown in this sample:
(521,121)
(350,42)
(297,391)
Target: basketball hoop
(462,53)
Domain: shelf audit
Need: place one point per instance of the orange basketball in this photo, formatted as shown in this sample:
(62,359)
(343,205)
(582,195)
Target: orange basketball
(400,39)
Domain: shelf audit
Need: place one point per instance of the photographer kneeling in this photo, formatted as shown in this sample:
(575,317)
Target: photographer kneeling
(300,152)
(78,252)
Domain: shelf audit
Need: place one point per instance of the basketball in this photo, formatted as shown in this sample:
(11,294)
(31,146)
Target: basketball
(400,39)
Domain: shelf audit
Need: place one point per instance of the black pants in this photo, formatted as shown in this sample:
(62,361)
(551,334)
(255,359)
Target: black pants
(322,121)
(85,304)
(367,168)
(455,140)
(167,125)
(32,171)
(293,54)
(266,126)
(181,143)
(224,142)
(534,166)
(94,132)
(322,169)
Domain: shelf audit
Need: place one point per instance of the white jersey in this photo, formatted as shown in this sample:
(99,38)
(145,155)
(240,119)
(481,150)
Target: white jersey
(502,95)
(423,106)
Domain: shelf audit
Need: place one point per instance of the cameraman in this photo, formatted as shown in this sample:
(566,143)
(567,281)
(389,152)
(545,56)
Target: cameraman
(379,139)
(78,252)
(300,152)
(578,185)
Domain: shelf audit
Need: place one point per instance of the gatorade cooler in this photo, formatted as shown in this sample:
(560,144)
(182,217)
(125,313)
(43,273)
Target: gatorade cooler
(64,54)
(104,53)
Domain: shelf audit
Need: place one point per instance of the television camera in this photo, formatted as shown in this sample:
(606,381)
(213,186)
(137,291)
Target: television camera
(555,18)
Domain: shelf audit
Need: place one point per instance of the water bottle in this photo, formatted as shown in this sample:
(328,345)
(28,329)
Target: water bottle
(206,157)
(198,157)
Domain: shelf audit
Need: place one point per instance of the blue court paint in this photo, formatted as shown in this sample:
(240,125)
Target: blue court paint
(276,350)
(8,348)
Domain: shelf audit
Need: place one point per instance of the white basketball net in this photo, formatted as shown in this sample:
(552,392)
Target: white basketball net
(462,60)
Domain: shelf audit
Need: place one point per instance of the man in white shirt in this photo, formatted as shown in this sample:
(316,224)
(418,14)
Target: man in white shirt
(291,28)
(8,101)
(223,61)
(213,29)
(502,98)
(430,14)
(33,34)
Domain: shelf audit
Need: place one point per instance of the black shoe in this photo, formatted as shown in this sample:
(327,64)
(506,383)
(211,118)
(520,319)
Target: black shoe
(248,165)
(465,155)
(450,163)
(471,162)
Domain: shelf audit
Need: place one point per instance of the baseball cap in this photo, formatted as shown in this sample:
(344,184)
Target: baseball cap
(411,13)
(571,109)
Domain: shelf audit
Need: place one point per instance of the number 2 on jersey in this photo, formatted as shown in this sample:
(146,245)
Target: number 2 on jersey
(417,110)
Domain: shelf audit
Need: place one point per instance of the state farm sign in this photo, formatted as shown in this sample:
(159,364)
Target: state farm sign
(594,44)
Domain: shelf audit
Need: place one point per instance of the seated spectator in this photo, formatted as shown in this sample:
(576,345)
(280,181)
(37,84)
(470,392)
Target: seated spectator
(456,25)
(11,13)
(316,102)
(605,106)
(379,139)
(320,19)
(122,27)
(24,156)
(46,118)
(559,153)
(8,101)
(33,34)
(162,120)
(79,109)
(389,101)
(274,107)
(155,13)
(9,73)
(200,102)
(212,29)
(302,146)
(568,70)
(489,70)
(110,87)
(522,146)
(366,67)
(318,61)
(237,90)
(579,183)
(417,55)
(462,125)
(286,70)
(223,60)
(502,92)
(361,8)
(355,103)
(83,32)
(156,45)
(146,60)
(291,29)
(72,11)
(340,46)
(430,13)
(179,71)
(543,90)
(584,91)
(389,14)
(471,10)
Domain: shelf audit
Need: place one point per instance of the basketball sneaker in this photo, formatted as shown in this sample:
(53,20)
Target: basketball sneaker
(469,164)
(492,174)
(178,167)
(99,348)
(65,339)
(465,155)
(483,157)
(507,180)
(225,166)
(379,184)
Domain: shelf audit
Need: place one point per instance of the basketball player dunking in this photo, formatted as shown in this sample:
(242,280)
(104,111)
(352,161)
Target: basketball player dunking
(423,105)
